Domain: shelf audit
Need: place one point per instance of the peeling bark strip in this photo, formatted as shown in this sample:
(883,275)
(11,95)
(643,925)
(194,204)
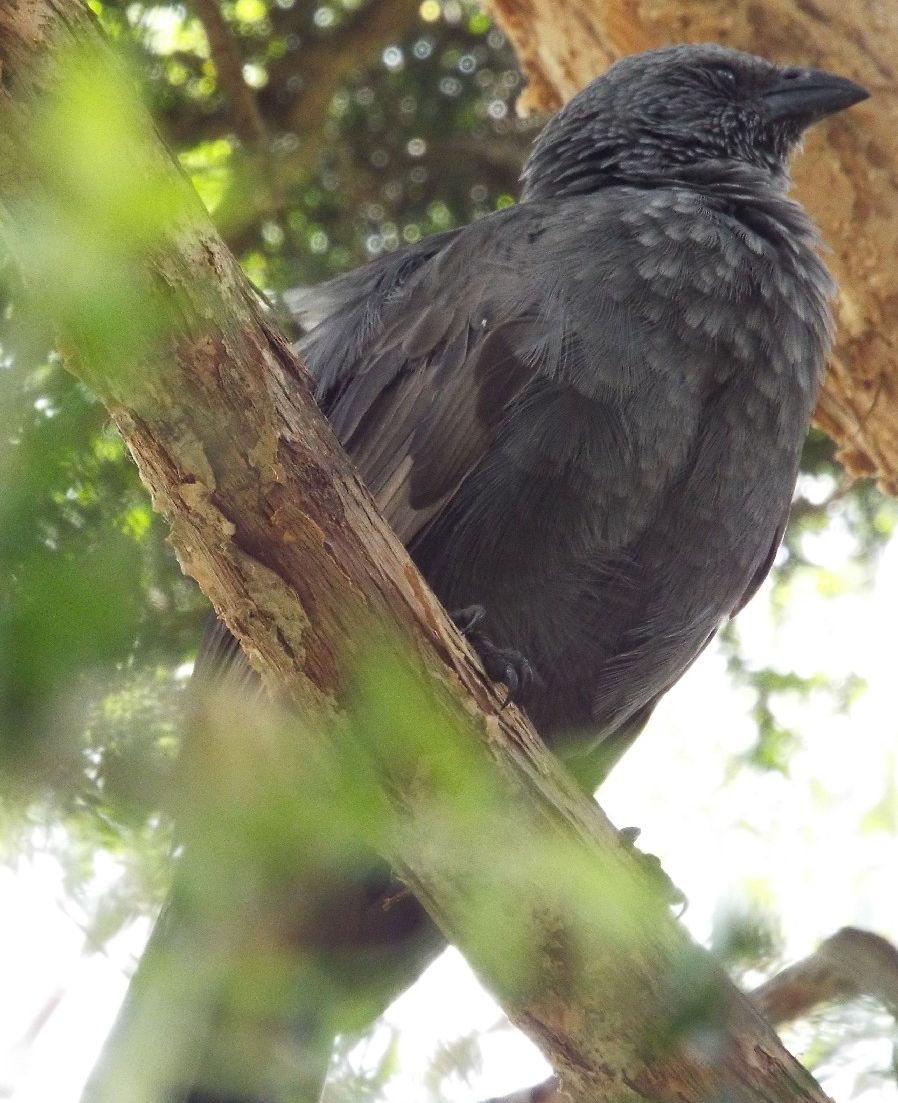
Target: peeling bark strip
(847,176)
(267,514)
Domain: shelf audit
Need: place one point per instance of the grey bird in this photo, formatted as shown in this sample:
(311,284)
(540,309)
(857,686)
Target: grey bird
(585,413)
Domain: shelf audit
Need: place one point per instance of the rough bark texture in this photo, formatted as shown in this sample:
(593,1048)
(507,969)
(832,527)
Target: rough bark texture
(268,515)
(847,175)
(849,965)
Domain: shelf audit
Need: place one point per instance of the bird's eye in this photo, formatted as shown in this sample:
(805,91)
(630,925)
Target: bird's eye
(724,75)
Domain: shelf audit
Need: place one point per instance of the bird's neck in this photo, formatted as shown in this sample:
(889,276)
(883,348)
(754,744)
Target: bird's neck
(754,196)
(749,193)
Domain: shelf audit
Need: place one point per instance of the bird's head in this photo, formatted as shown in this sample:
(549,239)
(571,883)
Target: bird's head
(681,111)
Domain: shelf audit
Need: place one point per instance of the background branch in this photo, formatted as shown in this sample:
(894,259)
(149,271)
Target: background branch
(247,119)
(849,965)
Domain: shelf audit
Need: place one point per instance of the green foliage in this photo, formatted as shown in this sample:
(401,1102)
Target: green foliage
(745,937)
(774,689)
(360,1077)
(289,814)
(403,132)
(415,136)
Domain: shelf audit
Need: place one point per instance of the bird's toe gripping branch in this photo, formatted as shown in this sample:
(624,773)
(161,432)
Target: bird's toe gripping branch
(502,664)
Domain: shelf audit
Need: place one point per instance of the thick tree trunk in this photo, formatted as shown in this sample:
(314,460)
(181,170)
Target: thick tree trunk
(268,515)
(847,176)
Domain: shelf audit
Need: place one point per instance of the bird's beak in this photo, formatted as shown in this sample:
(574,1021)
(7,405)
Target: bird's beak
(807,95)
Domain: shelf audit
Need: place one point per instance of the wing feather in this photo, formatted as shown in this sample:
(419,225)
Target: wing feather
(418,367)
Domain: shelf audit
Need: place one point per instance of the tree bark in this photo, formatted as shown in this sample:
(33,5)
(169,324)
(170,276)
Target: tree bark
(849,965)
(847,176)
(268,515)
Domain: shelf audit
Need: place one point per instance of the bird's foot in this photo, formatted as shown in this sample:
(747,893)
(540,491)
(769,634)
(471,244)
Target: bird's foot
(502,664)
(651,865)
(469,619)
(506,664)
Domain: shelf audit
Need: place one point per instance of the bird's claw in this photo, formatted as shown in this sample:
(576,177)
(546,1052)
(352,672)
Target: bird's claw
(502,664)
(651,865)
(468,619)
(505,664)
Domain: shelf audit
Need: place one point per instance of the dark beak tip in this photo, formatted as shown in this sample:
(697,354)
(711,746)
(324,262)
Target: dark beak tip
(813,95)
(856,93)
